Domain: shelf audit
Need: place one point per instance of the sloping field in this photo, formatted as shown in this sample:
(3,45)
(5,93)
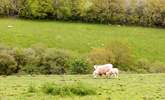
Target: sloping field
(146,42)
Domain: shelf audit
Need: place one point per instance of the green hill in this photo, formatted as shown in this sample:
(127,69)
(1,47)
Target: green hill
(146,42)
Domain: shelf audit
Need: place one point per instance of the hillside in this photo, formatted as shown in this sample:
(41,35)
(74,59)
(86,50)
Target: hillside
(81,38)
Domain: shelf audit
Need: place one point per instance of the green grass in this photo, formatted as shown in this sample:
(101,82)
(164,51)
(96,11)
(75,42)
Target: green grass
(146,42)
(76,88)
(126,87)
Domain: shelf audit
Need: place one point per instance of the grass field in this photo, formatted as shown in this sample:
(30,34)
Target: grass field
(146,42)
(126,87)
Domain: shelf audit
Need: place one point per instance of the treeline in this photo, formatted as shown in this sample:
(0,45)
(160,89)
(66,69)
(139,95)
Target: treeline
(39,59)
(131,12)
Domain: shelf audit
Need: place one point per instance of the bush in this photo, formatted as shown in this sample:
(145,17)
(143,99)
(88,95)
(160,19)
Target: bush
(142,66)
(79,66)
(31,61)
(79,89)
(7,64)
(24,9)
(55,61)
(122,54)
(101,56)
(157,67)
(117,53)
(19,56)
(62,9)
(48,88)
(5,7)
(82,89)
(42,60)
(145,66)
(41,8)
(32,89)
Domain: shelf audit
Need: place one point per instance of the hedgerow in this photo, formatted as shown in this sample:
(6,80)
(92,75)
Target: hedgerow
(132,12)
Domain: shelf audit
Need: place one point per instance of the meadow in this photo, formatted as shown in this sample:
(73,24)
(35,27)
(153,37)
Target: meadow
(81,38)
(126,87)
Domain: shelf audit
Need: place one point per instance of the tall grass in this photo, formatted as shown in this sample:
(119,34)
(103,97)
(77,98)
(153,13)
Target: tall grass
(79,89)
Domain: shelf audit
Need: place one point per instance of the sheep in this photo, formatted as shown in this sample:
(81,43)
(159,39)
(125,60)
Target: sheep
(102,69)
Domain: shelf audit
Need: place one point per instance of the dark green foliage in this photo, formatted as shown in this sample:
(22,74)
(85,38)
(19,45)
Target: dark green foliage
(79,89)
(49,61)
(7,64)
(56,61)
(48,88)
(61,9)
(19,56)
(41,8)
(32,88)
(79,66)
(35,60)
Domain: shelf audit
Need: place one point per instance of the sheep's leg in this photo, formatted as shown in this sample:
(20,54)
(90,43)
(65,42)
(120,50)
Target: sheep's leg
(116,75)
(112,75)
(94,75)
(109,76)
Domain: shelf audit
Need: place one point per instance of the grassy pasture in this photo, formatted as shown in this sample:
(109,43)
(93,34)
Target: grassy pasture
(146,42)
(127,87)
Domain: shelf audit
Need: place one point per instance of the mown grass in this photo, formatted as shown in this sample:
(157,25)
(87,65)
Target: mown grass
(126,87)
(146,42)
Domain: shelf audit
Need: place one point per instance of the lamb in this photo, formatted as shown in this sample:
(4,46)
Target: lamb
(113,72)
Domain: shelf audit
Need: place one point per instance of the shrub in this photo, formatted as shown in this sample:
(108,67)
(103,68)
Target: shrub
(41,8)
(157,67)
(41,60)
(142,66)
(79,89)
(122,54)
(101,56)
(30,69)
(7,64)
(32,88)
(6,7)
(48,88)
(82,89)
(31,61)
(24,9)
(117,53)
(55,61)
(19,57)
(79,66)
(61,9)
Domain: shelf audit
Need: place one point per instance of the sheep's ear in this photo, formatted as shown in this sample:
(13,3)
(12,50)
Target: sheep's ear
(95,66)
